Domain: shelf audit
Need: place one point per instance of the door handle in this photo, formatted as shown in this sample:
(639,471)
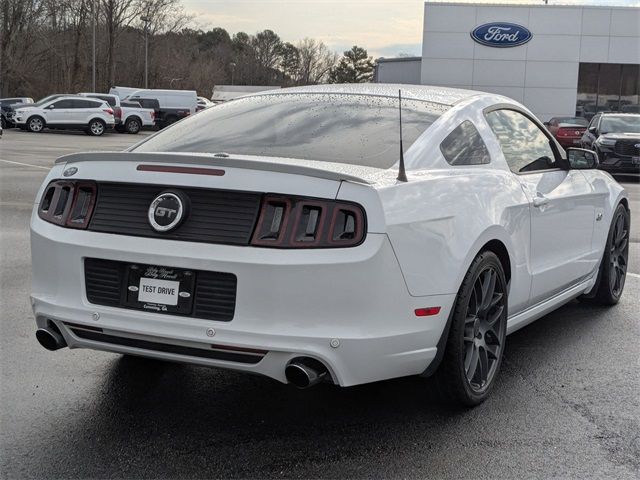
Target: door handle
(540,200)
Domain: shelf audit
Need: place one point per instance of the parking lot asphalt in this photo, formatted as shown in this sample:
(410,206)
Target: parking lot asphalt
(567,403)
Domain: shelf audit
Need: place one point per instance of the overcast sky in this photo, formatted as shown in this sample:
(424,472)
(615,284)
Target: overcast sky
(384,27)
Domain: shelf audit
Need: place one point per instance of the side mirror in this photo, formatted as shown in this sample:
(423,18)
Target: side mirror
(51,107)
(582,159)
(546,124)
(592,130)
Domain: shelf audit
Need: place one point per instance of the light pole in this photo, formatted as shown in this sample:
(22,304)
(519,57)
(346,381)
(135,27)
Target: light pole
(146,21)
(93,71)
(233,69)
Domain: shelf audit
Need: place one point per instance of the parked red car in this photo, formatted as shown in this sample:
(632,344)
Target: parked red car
(567,130)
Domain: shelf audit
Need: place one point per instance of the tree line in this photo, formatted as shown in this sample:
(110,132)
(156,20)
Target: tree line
(46,46)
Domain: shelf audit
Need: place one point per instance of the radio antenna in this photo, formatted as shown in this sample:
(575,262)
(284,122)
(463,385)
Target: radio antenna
(402,174)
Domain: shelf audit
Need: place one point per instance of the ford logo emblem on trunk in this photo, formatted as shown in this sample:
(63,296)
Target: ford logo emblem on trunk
(167,211)
(501,35)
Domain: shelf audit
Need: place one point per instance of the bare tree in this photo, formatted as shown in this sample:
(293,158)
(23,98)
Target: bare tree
(316,60)
(116,14)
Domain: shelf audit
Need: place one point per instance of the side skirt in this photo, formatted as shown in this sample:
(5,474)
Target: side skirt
(533,313)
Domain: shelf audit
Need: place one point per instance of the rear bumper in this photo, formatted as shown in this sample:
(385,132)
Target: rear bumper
(566,142)
(289,304)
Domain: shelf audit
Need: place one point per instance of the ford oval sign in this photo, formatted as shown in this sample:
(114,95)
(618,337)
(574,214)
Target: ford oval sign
(501,35)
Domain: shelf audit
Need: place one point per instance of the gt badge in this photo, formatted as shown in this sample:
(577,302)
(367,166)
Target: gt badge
(167,211)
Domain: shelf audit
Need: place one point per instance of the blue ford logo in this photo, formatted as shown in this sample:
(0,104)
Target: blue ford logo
(501,35)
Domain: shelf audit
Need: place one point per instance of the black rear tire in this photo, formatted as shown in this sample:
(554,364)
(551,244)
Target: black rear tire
(133,126)
(613,267)
(475,346)
(96,127)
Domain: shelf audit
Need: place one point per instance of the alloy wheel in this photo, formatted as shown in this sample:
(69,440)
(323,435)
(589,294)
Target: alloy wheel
(133,127)
(97,128)
(619,253)
(484,331)
(35,124)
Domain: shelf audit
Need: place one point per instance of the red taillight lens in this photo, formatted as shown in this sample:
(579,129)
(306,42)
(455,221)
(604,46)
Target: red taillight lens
(68,203)
(570,132)
(108,110)
(298,222)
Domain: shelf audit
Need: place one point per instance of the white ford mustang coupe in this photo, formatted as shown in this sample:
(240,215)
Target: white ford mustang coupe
(287,234)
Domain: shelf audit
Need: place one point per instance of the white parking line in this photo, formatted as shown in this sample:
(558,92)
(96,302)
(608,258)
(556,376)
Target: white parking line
(633,274)
(25,164)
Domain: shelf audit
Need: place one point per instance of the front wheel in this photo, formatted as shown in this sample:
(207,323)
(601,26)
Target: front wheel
(96,127)
(613,267)
(475,346)
(35,124)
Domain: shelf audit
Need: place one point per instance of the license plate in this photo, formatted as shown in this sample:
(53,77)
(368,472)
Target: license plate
(164,292)
(160,289)
(635,160)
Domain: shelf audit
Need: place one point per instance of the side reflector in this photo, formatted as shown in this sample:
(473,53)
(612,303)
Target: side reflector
(427,312)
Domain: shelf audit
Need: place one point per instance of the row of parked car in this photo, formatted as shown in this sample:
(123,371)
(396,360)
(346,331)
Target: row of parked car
(614,136)
(125,110)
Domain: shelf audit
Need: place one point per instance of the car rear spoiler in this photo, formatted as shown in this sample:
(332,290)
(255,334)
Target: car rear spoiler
(290,166)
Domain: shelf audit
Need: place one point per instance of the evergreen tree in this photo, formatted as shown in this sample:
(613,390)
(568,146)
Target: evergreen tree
(355,66)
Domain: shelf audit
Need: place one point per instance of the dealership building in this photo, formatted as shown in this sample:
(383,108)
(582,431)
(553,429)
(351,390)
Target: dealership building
(558,60)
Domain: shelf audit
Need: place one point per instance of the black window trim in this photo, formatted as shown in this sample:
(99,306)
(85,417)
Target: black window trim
(555,146)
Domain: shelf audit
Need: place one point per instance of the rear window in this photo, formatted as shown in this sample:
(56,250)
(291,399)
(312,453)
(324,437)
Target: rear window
(573,121)
(341,128)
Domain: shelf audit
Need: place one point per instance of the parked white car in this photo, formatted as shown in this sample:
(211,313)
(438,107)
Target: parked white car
(130,117)
(135,117)
(71,113)
(284,234)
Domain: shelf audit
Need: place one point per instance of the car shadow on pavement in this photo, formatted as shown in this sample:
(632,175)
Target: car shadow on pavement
(150,418)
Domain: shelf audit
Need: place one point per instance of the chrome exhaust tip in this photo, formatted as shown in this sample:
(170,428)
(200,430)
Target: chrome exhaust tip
(305,372)
(50,339)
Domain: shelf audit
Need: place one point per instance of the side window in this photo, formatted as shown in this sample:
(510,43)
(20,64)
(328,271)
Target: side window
(63,104)
(85,104)
(525,147)
(464,146)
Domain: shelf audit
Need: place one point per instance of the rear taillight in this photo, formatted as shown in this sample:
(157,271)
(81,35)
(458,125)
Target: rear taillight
(298,222)
(108,110)
(117,112)
(570,132)
(68,203)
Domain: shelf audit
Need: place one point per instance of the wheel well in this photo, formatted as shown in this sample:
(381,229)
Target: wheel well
(36,116)
(97,118)
(625,202)
(497,247)
(133,117)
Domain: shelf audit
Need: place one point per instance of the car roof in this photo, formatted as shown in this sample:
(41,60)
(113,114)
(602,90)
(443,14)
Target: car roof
(76,97)
(621,114)
(86,94)
(442,95)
